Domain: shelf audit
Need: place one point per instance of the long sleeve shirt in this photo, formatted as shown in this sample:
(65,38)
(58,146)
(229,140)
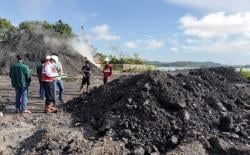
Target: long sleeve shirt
(20,75)
(50,70)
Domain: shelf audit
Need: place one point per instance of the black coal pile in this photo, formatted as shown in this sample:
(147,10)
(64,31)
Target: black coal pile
(155,112)
(35,45)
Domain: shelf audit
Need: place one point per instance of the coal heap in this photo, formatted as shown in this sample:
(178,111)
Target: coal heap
(33,46)
(155,112)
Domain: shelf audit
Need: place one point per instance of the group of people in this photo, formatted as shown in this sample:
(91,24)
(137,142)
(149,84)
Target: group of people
(86,70)
(49,74)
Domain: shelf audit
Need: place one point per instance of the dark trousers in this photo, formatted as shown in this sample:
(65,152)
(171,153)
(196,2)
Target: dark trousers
(42,90)
(49,92)
(105,80)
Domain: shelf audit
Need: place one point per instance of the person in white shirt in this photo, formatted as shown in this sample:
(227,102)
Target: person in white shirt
(49,74)
(58,82)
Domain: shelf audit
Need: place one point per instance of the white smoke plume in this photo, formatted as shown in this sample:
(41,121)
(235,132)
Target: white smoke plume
(53,40)
(83,48)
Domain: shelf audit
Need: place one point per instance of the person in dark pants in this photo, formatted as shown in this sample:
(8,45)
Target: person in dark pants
(39,69)
(20,80)
(86,69)
(107,71)
(49,73)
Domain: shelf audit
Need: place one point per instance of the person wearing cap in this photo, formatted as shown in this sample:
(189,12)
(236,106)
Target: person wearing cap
(58,83)
(86,70)
(20,80)
(49,74)
(107,70)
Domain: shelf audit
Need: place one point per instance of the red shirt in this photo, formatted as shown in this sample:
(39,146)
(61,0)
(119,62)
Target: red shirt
(107,70)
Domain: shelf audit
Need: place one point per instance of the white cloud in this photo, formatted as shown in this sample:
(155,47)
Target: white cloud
(216,25)
(214,5)
(215,33)
(101,32)
(153,44)
(149,44)
(174,49)
(131,44)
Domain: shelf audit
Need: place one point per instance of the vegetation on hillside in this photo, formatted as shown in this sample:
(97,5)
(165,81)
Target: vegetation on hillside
(7,30)
(62,28)
(59,27)
(245,73)
(135,59)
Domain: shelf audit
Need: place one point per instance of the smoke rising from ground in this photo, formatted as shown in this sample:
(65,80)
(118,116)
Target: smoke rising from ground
(82,48)
(77,43)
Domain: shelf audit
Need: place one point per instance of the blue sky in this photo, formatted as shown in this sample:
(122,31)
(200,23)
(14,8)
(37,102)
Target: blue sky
(163,30)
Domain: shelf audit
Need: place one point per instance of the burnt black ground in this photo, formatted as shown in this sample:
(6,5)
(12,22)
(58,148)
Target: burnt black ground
(157,111)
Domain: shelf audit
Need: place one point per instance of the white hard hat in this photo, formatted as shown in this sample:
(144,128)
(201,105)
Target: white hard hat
(54,57)
(48,57)
(107,59)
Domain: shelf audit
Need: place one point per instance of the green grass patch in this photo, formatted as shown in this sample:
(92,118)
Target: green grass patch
(245,73)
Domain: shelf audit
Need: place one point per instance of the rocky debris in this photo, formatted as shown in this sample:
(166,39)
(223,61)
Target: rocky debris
(54,134)
(2,106)
(139,151)
(192,148)
(225,146)
(174,140)
(158,111)
(226,123)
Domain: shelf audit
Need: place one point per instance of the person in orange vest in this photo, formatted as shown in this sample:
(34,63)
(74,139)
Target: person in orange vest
(107,70)
(49,74)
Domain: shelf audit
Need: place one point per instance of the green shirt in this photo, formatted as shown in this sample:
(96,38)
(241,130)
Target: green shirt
(20,75)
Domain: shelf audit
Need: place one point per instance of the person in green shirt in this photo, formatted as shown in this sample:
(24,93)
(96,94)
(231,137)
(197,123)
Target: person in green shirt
(20,80)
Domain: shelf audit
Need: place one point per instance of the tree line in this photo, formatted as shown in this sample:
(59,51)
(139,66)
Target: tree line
(7,30)
(135,59)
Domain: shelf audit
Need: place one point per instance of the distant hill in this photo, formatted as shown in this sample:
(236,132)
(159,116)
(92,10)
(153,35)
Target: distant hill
(35,44)
(245,66)
(184,64)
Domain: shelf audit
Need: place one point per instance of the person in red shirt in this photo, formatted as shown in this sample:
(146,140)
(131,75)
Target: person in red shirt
(107,71)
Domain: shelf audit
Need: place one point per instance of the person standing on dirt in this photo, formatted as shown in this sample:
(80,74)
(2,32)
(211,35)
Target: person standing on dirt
(58,82)
(49,74)
(107,70)
(86,69)
(20,80)
(39,69)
